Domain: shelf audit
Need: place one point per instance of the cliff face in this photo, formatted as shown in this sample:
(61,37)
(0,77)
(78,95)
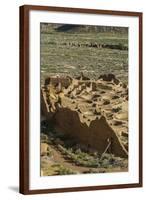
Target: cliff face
(93,112)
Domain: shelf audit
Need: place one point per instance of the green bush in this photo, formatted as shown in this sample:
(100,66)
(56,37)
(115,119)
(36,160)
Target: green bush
(78,157)
(64,170)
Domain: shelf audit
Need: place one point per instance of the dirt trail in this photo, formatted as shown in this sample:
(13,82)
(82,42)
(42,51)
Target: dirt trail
(58,157)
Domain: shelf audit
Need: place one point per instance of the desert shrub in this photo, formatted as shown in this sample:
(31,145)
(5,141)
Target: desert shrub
(64,170)
(79,158)
(104,163)
(77,151)
(61,148)
(110,161)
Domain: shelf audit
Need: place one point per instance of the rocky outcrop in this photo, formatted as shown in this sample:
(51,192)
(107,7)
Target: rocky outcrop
(93,112)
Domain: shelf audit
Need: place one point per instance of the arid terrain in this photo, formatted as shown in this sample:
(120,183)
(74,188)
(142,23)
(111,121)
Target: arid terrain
(84,99)
(69,50)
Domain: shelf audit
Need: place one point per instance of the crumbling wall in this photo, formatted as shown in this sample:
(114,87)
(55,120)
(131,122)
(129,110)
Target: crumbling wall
(94,112)
(65,81)
(96,136)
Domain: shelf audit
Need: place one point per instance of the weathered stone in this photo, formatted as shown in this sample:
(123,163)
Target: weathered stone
(88,110)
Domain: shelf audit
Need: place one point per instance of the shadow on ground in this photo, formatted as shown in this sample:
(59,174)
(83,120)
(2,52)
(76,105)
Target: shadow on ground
(14,188)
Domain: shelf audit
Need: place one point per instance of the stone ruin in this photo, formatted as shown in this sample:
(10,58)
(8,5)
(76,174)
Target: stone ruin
(95,112)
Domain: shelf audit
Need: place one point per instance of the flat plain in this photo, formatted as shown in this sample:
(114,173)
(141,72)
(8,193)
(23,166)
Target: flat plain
(65,51)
